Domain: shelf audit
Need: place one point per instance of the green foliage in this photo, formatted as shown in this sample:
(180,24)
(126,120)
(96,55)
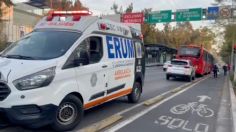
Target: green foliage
(182,34)
(230,38)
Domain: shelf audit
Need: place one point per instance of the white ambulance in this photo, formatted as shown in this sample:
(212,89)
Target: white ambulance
(71,62)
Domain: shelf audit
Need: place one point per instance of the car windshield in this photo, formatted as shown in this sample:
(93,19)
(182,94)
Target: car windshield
(189,51)
(174,62)
(41,45)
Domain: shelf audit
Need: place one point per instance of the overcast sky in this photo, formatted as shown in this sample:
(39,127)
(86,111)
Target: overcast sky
(103,6)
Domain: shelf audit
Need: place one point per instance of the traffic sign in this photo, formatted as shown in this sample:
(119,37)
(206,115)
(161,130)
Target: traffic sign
(194,14)
(225,12)
(160,16)
(212,13)
(133,18)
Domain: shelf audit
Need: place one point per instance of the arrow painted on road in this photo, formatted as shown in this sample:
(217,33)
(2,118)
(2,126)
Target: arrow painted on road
(202,98)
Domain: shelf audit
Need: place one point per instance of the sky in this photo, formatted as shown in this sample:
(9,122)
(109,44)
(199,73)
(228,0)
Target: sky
(99,7)
(104,6)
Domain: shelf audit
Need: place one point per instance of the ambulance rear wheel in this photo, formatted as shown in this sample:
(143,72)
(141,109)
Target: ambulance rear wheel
(68,114)
(134,96)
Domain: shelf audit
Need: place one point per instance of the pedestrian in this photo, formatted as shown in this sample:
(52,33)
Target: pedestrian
(215,70)
(225,70)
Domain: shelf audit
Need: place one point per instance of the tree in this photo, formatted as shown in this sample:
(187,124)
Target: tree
(129,9)
(3,43)
(115,8)
(7,3)
(65,5)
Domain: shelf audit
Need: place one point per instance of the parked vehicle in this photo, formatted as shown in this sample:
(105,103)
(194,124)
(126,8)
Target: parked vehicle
(166,65)
(181,68)
(202,60)
(69,63)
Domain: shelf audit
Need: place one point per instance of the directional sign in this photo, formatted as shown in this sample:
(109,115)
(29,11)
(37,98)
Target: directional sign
(133,18)
(212,13)
(225,12)
(194,14)
(160,16)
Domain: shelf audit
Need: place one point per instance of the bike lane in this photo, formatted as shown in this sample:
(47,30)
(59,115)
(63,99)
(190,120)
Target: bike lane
(194,110)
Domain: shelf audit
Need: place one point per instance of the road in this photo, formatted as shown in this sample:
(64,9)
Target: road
(201,107)
(155,84)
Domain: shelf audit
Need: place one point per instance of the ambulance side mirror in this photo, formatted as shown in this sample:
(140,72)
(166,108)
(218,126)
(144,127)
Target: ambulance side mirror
(82,58)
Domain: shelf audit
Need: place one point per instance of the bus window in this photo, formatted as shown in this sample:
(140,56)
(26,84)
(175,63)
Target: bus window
(189,51)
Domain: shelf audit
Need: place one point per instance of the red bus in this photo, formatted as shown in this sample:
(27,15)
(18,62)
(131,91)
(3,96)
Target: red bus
(200,57)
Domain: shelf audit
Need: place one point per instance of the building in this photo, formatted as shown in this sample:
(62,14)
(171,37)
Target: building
(20,19)
(158,54)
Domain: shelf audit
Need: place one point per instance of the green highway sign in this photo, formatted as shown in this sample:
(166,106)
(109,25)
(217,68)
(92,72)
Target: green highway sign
(160,16)
(194,14)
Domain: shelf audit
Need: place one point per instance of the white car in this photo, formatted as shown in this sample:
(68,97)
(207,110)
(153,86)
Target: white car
(166,65)
(181,68)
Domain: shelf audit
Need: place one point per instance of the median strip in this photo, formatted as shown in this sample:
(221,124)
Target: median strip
(102,124)
(117,117)
(153,100)
(176,90)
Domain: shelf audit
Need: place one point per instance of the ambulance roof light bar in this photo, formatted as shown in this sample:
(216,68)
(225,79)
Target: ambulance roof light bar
(76,14)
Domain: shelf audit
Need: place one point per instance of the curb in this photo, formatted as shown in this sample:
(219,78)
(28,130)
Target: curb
(233,105)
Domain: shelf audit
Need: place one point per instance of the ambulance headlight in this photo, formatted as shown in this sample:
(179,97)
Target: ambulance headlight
(36,80)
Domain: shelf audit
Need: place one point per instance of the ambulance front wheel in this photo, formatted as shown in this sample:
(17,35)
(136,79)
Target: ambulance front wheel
(134,96)
(68,114)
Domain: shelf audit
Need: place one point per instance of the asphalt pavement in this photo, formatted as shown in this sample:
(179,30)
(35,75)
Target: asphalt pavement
(155,84)
(198,109)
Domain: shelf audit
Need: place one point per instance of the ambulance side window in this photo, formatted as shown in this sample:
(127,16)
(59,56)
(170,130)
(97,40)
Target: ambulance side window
(92,46)
(95,49)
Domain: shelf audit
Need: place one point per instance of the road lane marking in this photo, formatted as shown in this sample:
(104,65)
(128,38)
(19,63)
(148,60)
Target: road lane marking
(92,127)
(153,100)
(102,124)
(178,123)
(133,118)
(142,103)
(176,90)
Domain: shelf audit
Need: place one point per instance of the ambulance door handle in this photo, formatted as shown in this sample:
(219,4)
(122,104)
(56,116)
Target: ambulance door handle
(104,66)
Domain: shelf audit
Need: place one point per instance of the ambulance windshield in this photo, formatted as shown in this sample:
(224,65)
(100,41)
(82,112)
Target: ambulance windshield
(42,45)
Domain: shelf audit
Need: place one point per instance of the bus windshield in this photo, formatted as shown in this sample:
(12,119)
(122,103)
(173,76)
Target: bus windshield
(189,51)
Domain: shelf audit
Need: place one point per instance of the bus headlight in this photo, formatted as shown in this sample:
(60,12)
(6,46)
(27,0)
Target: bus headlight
(36,80)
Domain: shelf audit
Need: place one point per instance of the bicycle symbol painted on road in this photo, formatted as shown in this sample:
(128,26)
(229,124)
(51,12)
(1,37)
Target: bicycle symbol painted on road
(201,109)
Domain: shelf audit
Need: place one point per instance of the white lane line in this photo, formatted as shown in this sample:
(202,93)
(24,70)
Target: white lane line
(133,118)
(139,104)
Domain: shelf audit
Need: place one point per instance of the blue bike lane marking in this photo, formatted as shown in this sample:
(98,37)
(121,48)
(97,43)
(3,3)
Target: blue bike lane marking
(192,111)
